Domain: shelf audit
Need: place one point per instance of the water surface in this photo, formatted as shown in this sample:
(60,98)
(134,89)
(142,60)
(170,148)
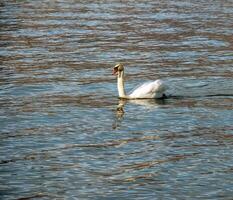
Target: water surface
(61,134)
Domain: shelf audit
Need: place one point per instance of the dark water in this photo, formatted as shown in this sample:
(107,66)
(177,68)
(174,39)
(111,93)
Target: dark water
(61,135)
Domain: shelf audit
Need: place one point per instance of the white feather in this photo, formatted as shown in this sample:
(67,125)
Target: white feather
(147,90)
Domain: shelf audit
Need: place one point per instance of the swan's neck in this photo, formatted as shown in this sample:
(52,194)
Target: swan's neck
(120,85)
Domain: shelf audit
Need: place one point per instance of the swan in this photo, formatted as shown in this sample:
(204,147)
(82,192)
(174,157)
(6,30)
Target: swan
(150,90)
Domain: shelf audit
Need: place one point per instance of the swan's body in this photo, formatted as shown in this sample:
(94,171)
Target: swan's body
(150,90)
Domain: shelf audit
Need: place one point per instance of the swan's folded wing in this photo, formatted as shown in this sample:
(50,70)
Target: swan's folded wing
(149,90)
(142,90)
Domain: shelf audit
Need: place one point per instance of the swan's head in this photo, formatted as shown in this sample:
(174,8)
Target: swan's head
(118,69)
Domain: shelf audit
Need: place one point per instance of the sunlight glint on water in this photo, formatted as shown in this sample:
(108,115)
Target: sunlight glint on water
(61,134)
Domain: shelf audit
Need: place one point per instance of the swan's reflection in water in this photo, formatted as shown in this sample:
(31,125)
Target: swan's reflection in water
(146,103)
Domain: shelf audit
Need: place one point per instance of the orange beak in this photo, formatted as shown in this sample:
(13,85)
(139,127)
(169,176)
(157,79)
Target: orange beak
(115,71)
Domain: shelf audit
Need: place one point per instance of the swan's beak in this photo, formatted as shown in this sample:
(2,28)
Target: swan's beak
(115,71)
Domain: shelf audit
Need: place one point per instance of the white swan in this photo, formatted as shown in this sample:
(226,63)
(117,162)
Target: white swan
(154,89)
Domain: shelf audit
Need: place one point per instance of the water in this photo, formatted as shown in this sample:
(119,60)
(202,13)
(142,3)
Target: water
(61,134)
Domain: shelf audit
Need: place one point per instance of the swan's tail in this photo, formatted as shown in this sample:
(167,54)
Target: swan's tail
(159,86)
(159,89)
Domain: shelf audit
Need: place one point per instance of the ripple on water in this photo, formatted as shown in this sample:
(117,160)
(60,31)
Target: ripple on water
(61,133)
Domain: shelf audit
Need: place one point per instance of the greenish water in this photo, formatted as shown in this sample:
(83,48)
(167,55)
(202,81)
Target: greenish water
(61,136)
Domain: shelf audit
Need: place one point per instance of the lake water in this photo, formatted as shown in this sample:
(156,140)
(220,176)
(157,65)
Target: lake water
(61,134)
